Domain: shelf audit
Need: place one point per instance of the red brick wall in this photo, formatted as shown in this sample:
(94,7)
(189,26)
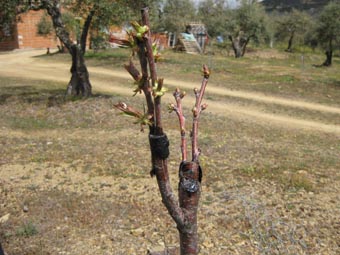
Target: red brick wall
(28,36)
(25,34)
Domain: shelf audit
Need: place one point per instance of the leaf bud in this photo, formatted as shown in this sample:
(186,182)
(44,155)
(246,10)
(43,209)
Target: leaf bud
(204,106)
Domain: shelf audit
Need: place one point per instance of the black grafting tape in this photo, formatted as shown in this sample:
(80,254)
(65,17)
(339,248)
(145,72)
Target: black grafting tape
(159,145)
(190,185)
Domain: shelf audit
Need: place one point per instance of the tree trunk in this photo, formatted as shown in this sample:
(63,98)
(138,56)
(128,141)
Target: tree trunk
(290,42)
(189,190)
(328,61)
(235,44)
(244,45)
(184,209)
(80,82)
(329,53)
(189,195)
(239,45)
(1,250)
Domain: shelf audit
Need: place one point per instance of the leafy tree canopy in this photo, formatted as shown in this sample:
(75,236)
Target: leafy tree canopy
(249,19)
(176,14)
(107,12)
(214,14)
(328,25)
(297,22)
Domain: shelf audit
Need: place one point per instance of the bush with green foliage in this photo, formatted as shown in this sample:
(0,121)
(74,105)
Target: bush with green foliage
(44,26)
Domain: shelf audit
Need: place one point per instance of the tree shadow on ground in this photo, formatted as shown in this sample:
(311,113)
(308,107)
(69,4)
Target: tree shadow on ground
(33,95)
(27,94)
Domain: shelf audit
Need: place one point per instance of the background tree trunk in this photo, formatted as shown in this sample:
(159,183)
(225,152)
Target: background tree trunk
(329,53)
(235,44)
(239,45)
(328,61)
(244,46)
(80,82)
(1,250)
(290,42)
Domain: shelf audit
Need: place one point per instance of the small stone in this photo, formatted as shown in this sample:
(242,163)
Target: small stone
(25,208)
(4,218)
(104,184)
(208,244)
(123,187)
(137,232)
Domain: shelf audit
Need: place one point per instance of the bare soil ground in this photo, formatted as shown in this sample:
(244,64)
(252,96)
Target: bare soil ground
(74,175)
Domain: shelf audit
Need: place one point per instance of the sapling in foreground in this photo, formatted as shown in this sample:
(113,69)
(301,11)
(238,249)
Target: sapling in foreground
(184,209)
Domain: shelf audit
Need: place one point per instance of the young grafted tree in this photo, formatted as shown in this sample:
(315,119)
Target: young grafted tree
(184,209)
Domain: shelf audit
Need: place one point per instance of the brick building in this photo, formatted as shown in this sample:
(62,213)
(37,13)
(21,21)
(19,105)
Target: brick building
(24,34)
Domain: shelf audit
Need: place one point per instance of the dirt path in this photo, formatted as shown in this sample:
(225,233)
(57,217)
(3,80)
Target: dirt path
(23,64)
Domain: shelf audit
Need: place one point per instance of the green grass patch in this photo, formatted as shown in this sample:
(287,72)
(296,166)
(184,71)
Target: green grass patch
(27,229)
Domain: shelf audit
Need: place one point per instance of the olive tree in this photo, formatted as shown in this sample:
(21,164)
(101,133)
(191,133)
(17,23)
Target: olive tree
(248,22)
(85,12)
(292,25)
(175,14)
(214,14)
(328,29)
(82,14)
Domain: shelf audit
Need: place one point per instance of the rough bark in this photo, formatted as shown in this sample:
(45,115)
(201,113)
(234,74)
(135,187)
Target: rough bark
(79,83)
(235,44)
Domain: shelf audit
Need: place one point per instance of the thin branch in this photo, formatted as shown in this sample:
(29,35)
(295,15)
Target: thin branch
(133,71)
(158,110)
(198,108)
(86,28)
(178,95)
(168,197)
(148,45)
(53,9)
(145,78)
(34,6)
(153,71)
(141,118)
